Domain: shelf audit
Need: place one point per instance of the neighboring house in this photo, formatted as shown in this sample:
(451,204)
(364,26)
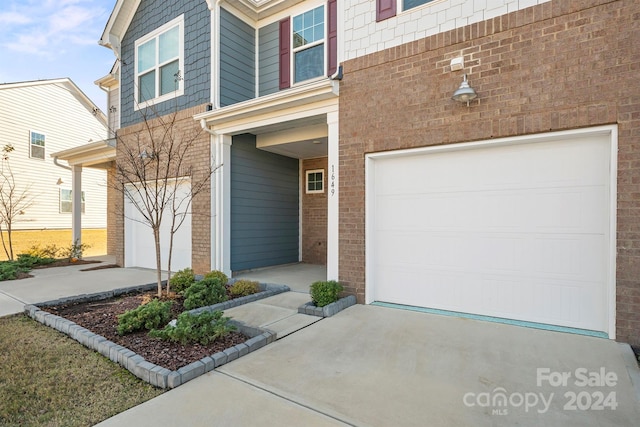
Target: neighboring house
(39,119)
(520,204)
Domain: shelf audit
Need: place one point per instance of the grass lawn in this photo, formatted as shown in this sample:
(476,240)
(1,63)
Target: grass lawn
(25,239)
(48,379)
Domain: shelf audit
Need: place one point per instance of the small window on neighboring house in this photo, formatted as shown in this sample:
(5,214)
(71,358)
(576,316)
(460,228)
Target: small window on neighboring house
(308,35)
(315,181)
(66,201)
(37,145)
(159,64)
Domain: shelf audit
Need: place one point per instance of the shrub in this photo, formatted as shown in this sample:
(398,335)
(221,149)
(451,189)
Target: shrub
(216,274)
(243,288)
(182,279)
(49,251)
(9,270)
(28,261)
(75,250)
(148,316)
(325,292)
(204,292)
(203,328)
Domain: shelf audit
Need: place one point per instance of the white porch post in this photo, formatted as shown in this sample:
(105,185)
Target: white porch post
(333,197)
(222,217)
(76,204)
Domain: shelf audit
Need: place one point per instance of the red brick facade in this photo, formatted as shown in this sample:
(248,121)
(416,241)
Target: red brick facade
(564,64)
(314,217)
(199,161)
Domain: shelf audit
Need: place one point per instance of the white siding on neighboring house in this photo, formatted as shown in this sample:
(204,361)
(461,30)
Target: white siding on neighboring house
(363,35)
(113,109)
(56,110)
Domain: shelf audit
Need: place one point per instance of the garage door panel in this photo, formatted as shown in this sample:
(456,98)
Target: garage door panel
(516,231)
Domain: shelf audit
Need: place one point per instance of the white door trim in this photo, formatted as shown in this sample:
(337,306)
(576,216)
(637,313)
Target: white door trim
(611,131)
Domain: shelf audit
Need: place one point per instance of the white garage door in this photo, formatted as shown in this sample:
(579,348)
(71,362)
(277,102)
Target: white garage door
(512,231)
(139,242)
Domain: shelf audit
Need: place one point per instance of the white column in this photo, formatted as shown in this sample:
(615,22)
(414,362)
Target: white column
(333,197)
(76,204)
(222,206)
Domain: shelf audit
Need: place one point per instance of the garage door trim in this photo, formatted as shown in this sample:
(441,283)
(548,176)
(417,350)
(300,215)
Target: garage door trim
(609,131)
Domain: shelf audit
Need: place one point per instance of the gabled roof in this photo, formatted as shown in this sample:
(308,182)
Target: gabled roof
(69,85)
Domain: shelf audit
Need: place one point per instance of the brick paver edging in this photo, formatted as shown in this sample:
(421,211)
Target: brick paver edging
(136,364)
(329,309)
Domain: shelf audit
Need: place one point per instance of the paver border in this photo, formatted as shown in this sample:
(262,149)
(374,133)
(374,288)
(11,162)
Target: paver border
(329,309)
(136,364)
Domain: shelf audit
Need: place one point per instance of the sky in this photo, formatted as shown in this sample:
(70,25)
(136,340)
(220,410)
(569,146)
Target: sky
(50,39)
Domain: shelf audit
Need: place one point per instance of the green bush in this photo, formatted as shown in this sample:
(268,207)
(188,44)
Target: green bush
(243,288)
(325,292)
(182,279)
(216,274)
(28,261)
(9,270)
(203,328)
(74,250)
(204,292)
(147,316)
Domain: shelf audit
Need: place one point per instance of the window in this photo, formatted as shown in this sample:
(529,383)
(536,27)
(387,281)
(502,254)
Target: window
(387,8)
(308,44)
(159,62)
(315,181)
(37,145)
(66,198)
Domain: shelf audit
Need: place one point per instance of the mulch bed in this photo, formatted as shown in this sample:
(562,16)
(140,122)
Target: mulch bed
(100,317)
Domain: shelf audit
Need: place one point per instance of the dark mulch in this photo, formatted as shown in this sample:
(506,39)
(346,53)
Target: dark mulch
(101,267)
(65,263)
(100,317)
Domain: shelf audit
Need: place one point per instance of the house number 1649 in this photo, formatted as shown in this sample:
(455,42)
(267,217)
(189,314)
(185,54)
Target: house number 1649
(333,180)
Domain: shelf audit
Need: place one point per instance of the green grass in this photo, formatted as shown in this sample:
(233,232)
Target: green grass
(48,379)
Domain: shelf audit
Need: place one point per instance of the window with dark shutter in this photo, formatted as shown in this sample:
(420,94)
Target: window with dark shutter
(332,37)
(285,53)
(385,9)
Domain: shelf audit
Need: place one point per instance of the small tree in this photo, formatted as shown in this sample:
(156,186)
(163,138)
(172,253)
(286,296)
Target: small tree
(151,167)
(13,201)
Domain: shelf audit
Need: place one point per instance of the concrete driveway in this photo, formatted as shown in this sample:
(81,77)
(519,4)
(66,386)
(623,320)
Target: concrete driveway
(376,366)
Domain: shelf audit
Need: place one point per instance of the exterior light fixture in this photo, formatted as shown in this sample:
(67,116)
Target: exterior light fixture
(147,156)
(464,93)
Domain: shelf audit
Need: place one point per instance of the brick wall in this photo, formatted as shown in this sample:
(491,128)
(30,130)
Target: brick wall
(559,65)
(115,221)
(314,217)
(198,160)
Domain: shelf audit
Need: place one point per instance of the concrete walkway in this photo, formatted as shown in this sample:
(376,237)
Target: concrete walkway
(53,283)
(376,366)
(297,276)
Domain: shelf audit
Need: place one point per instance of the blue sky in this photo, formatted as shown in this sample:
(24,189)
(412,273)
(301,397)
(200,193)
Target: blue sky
(49,39)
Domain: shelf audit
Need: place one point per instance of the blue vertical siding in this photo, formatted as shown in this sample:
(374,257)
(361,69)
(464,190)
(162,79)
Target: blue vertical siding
(196,69)
(237,60)
(264,206)
(268,64)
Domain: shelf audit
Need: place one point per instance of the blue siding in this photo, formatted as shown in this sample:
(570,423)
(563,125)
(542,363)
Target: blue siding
(268,64)
(264,206)
(237,60)
(196,69)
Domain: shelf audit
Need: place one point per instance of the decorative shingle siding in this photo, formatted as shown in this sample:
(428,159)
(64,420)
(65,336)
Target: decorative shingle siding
(363,35)
(237,60)
(196,71)
(268,59)
(556,66)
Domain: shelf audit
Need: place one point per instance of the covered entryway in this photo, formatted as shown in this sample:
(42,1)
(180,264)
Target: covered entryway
(140,248)
(518,229)
(264,206)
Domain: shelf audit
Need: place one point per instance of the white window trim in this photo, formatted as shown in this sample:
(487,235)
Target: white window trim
(154,34)
(306,186)
(293,51)
(44,147)
(83,207)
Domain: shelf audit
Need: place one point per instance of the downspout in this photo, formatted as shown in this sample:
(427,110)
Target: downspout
(55,162)
(218,197)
